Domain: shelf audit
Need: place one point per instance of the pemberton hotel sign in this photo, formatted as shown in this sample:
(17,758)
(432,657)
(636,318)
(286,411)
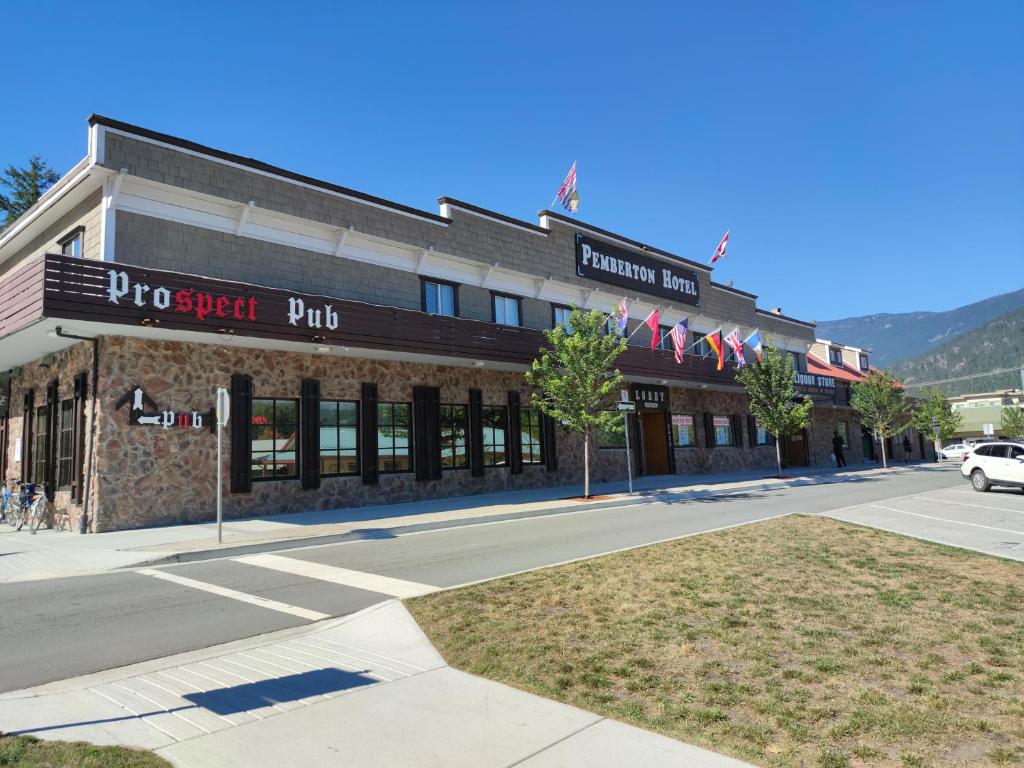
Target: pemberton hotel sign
(608,264)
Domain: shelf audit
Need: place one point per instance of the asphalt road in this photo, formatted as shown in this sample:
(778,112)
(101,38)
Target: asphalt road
(60,628)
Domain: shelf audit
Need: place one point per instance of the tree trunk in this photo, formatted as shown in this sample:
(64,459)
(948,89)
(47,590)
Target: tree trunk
(885,463)
(778,454)
(586,464)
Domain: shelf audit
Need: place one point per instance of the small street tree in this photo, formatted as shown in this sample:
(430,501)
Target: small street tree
(771,389)
(1011,422)
(576,380)
(26,185)
(881,403)
(931,407)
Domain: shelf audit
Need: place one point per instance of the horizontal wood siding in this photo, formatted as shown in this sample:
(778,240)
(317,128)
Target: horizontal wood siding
(21,297)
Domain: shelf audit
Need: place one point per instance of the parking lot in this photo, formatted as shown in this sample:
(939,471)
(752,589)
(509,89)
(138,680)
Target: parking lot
(990,522)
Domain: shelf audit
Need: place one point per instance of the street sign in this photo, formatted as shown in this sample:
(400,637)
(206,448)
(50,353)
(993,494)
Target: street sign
(223,409)
(937,429)
(223,406)
(628,407)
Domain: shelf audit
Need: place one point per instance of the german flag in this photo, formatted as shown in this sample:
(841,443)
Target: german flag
(715,340)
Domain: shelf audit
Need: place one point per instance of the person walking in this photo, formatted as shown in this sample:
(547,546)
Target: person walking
(837,449)
(907,449)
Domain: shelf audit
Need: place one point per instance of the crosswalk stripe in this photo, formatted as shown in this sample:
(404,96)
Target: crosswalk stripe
(945,519)
(343,576)
(274,605)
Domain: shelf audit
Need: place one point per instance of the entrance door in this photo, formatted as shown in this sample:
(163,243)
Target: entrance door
(796,449)
(655,442)
(868,444)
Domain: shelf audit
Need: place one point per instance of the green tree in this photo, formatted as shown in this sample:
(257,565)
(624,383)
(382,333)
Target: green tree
(576,379)
(1011,423)
(26,185)
(881,403)
(933,406)
(771,390)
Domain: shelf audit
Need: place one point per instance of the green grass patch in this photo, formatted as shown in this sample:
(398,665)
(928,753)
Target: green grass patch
(797,641)
(27,752)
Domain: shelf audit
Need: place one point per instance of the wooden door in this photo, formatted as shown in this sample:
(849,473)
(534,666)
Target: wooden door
(655,442)
(796,449)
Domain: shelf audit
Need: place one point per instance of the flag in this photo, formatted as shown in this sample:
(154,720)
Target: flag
(719,251)
(736,345)
(754,342)
(678,335)
(622,318)
(567,192)
(652,323)
(715,340)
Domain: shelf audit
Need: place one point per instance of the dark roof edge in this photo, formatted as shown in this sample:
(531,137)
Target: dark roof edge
(622,238)
(493,215)
(259,165)
(734,290)
(780,316)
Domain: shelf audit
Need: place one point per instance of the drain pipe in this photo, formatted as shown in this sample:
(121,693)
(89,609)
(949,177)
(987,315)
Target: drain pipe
(83,521)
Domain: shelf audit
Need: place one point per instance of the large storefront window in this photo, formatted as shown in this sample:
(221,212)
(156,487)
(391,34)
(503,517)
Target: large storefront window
(339,437)
(40,444)
(66,445)
(495,424)
(274,434)
(394,428)
(722,426)
(683,433)
(529,426)
(454,428)
(761,435)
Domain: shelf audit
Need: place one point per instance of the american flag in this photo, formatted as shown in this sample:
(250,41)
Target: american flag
(622,318)
(567,192)
(720,250)
(736,345)
(678,334)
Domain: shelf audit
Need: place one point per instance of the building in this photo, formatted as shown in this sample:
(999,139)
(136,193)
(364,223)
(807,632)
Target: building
(982,412)
(373,351)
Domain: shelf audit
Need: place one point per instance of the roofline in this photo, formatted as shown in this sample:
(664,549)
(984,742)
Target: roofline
(623,239)
(734,290)
(64,184)
(259,165)
(780,316)
(492,215)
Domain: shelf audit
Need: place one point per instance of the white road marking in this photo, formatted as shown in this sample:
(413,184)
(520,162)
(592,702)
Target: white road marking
(343,576)
(945,519)
(262,602)
(965,504)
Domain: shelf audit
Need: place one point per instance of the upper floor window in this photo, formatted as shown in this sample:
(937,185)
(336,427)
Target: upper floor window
(700,345)
(71,243)
(863,362)
(799,362)
(440,298)
(560,316)
(835,356)
(505,309)
(664,339)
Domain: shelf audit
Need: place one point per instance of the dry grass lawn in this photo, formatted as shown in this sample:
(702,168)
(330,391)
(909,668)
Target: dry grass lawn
(27,752)
(797,641)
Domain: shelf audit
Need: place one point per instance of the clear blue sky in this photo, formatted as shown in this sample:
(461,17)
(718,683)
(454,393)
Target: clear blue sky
(867,156)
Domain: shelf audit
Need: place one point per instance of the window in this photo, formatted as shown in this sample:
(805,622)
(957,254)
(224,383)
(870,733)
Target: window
(394,428)
(339,437)
(761,436)
(664,339)
(529,435)
(274,434)
(844,432)
(505,309)
(66,445)
(985,450)
(71,243)
(864,362)
(700,345)
(560,316)
(40,444)
(1016,452)
(722,428)
(495,423)
(612,438)
(683,433)
(835,356)
(454,428)
(799,362)
(440,298)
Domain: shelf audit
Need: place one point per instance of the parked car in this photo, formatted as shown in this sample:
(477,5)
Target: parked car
(998,463)
(955,451)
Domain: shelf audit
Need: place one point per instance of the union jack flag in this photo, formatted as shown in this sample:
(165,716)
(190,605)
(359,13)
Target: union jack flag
(736,345)
(678,334)
(567,192)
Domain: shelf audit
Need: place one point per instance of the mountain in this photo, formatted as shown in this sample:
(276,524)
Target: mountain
(996,345)
(895,337)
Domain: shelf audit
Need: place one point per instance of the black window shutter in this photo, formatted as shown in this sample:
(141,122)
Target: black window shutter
(28,409)
(426,411)
(476,433)
(309,434)
(737,430)
(78,437)
(368,438)
(241,444)
(550,446)
(515,434)
(709,430)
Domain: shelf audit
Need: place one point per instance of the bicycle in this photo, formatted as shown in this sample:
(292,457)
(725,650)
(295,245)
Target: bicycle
(40,511)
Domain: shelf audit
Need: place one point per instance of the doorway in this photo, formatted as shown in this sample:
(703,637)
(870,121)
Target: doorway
(795,448)
(868,445)
(654,442)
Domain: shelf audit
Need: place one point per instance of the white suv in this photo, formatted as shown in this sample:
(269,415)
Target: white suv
(999,463)
(955,451)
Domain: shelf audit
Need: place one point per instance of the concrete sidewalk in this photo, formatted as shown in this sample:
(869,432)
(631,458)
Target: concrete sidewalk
(51,554)
(366,690)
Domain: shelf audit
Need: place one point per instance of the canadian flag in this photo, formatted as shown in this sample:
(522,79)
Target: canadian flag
(720,250)
(652,323)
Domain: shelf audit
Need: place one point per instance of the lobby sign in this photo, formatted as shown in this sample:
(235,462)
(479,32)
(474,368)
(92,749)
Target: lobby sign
(649,396)
(607,263)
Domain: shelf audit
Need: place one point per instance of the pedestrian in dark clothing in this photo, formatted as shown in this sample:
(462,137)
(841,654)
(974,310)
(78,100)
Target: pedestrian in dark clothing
(837,449)
(906,448)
